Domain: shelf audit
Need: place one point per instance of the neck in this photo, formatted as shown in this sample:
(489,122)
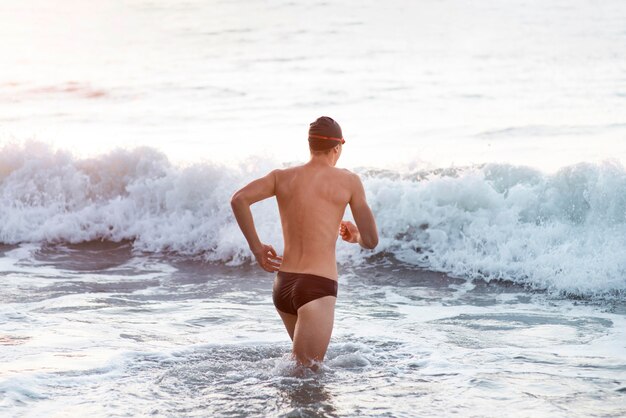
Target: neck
(323,159)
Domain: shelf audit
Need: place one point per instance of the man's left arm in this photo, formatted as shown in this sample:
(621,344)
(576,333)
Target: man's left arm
(241,201)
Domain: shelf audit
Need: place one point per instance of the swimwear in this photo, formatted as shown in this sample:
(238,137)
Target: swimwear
(292,290)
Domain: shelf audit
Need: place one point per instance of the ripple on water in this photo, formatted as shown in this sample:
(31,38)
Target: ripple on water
(521,329)
(262,379)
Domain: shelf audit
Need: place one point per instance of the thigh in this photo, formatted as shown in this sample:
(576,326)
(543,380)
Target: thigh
(290,322)
(313,329)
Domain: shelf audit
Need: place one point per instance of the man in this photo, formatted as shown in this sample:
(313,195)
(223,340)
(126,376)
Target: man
(311,199)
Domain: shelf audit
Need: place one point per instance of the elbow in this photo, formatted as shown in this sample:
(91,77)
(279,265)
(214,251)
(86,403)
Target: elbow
(236,200)
(371,243)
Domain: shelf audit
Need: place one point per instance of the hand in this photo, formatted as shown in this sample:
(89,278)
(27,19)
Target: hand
(267,258)
(349,232)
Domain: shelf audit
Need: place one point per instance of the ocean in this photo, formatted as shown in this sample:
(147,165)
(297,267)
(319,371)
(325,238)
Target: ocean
(491,141)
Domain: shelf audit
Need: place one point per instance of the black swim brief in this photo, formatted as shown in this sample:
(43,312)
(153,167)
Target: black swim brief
(292,290)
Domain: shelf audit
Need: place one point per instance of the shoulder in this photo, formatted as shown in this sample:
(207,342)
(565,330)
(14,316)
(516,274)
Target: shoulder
(344,172)
(351,181)
(284,175)
(348,175)
(282,172)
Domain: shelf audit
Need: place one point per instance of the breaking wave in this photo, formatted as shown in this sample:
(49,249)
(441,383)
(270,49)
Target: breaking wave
(564,232)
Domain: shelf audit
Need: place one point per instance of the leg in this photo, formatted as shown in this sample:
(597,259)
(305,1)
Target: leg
(290,322)
(313,330)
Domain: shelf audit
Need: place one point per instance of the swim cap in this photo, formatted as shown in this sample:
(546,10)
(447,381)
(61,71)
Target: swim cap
(324,134)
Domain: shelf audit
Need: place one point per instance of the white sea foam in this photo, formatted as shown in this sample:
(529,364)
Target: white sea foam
(565,231)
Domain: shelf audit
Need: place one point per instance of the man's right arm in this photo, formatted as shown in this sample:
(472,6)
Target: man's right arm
(367,234)
(240,202)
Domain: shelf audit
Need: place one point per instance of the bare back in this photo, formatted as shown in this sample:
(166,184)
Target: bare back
(312,199)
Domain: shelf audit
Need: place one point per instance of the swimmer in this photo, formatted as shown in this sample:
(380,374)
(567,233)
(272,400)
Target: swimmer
(312,199)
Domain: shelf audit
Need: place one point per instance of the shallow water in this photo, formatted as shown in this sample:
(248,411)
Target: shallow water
(99,329)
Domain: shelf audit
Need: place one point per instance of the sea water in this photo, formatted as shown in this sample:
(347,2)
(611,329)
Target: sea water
(490,141)
(127,290)
(97,329)
(413,83)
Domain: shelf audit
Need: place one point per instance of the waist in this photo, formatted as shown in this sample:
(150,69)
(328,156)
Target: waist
(326,271)
(286,275)
(319,264)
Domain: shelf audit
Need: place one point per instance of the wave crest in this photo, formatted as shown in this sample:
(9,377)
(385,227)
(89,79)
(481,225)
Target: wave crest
(565,231)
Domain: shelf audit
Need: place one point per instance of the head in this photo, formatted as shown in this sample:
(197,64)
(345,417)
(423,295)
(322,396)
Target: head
(325,138)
